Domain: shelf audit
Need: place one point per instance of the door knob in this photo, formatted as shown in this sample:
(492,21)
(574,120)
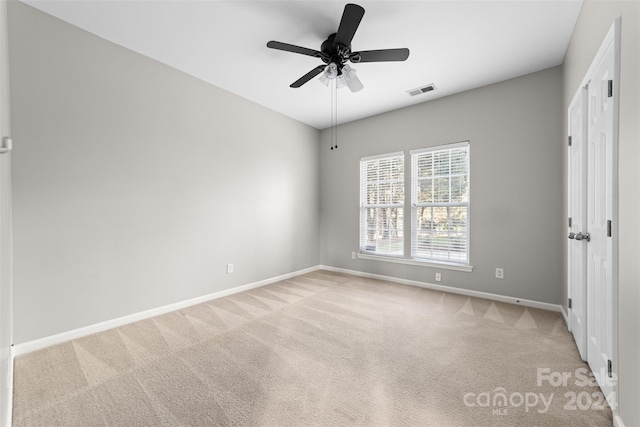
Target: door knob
(581,236)
(572,235)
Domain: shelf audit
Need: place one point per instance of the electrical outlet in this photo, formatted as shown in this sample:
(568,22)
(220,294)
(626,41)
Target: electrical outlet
(499,273)
(229,268)
(353,255)
(438,277)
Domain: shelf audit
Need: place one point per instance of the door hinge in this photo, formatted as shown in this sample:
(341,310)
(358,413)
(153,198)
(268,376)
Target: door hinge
(569,303)
(609,369)
(570,222)
(7,145)
(569,141)
(609,228)
(610,88)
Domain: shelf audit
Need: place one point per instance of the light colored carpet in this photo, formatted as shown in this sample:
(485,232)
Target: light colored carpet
(322,349)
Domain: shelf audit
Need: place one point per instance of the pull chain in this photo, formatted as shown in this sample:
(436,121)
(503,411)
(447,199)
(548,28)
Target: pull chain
(333,88)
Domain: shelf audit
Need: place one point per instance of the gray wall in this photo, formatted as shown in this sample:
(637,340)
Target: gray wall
(135,184)
(515,132)
(593,24)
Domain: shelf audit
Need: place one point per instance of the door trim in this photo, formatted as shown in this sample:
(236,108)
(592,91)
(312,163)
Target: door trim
(612,37)
(6,285)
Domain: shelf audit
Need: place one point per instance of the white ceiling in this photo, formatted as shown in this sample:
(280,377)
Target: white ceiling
(457,45)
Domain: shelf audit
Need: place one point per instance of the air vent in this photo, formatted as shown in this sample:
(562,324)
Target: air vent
(421,90)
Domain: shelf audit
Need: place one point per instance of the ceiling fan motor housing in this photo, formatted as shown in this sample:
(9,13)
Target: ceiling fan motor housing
(335,52)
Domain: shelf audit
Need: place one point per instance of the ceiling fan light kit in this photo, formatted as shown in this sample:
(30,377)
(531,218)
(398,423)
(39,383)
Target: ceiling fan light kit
(346,78)
(336,51)
(331,71)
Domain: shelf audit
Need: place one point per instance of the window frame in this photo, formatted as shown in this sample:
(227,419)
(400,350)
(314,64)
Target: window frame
(409,228)
(414,154)
(364,206)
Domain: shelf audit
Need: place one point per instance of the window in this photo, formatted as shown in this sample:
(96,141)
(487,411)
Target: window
(440,203)
(382,205)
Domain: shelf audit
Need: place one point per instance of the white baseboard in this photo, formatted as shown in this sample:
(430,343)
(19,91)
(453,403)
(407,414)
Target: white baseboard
(565,316)
(451,289)
(617,421)
(29,346)
(9,400)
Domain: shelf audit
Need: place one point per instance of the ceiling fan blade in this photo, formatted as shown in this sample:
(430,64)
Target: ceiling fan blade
(349,23)
(293,48)
(382,55)
(311,74)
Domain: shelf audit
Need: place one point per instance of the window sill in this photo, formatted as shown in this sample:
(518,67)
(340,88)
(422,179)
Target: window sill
(441,265)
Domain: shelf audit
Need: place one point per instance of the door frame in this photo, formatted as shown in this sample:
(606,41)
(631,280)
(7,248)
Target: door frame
(6,285)
(611,39)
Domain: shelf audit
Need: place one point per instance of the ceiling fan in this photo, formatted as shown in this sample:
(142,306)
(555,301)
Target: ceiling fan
(335,51)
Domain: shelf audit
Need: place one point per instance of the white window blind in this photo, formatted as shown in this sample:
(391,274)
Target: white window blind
(382,205)
(440,203)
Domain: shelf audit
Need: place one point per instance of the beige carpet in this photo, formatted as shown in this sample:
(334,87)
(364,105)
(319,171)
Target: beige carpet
(322,349)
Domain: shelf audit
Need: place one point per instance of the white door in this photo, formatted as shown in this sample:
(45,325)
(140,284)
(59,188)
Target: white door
(600,188)
(593,121)
(577,251)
